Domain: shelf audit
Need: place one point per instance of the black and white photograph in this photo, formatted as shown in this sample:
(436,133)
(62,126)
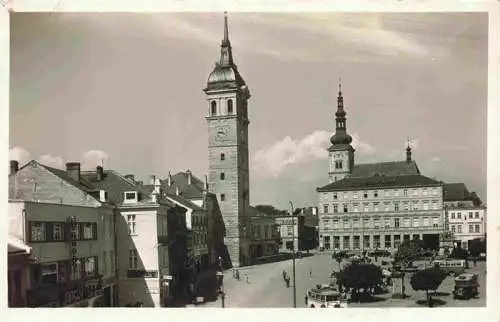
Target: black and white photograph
(232,159)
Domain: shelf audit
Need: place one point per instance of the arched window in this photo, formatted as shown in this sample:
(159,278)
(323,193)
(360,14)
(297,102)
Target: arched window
(230,106)
(340,164)
(222,157)
(213,108)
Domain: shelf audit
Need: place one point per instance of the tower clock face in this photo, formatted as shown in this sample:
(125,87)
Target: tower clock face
(221,133)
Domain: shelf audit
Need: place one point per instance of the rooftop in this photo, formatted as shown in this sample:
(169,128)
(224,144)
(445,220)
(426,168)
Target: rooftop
(394,168)
(379,181)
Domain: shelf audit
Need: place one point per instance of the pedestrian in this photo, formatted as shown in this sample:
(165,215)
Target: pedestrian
(475,262)
(237,275)
(310,273)
(246,275)
(305,299)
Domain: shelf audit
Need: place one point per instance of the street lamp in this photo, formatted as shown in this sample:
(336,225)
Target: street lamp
(220,278)
(293,258)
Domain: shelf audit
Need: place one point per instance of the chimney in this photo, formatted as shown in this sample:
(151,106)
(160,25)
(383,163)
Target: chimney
(157,186)
(139,182)
(169,179)
(103,195)
(177,191)
(188,172)
(130,177)
(153,179)
(206,183)
(73,170)
(100,173)
(14,166)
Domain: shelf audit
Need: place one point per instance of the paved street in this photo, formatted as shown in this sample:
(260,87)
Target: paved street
(266,288)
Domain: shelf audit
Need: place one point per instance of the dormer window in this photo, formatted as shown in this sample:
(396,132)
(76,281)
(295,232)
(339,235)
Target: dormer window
(130,196)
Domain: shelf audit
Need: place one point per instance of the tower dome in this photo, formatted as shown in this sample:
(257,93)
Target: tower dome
(225,74)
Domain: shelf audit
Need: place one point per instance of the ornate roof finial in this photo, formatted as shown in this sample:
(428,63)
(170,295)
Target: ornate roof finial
(340,86)
(408,150)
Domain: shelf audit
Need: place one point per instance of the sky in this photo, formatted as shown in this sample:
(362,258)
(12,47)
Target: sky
(126,90)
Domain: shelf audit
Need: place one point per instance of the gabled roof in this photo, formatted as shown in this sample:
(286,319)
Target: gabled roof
(394,168)
(456,192)
(183,201)
(378,181)
(83,184)
(187,191)
(114,184)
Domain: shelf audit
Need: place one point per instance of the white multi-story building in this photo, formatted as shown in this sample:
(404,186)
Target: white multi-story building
(376,205)
(151,240)
(465,214)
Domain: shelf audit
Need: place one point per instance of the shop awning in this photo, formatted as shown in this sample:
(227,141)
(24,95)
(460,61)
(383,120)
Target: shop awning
(17,246)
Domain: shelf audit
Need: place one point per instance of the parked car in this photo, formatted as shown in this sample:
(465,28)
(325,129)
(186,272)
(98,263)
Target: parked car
(466,286)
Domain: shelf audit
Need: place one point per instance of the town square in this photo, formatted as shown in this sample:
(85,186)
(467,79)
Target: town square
(248,160)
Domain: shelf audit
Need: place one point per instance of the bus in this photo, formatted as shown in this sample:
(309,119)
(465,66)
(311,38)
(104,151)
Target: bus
(324,296)
(452,266)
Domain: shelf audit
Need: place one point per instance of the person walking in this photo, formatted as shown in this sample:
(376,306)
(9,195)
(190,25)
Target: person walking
(310,273)
(246,275)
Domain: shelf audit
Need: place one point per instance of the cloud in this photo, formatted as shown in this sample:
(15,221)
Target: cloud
(92,158)
(51,161)
(362,147)
(20,154)
(436,160)
(274,159)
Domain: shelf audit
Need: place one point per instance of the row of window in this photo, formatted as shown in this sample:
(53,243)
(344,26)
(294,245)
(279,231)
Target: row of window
(385,223)
(200,220)
(199,238)
(44,231)
(376,206)
(259,231)
(213,107)
(63,271)
(367,242)
(459,215)
(387,193)
(472,228)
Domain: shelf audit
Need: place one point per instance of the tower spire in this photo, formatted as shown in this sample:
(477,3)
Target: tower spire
(341,136)
(226,54)
(408,149)
(226,32)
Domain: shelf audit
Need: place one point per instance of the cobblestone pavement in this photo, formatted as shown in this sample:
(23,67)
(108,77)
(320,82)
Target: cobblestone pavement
(266,288)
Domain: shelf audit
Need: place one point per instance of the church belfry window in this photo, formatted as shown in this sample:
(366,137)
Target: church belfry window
(230,106)
(213,108)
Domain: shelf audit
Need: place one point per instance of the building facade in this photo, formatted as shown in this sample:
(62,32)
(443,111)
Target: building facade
(151,236)
(69,226)
(263,240)
(298,232)
(375,205)
(227,117)
(465,214)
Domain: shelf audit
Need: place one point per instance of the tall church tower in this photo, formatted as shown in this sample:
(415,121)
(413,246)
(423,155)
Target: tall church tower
(341,152)
(227,116)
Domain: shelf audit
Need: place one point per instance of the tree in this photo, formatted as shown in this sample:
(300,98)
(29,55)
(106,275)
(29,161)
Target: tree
(476,247)
(426,280)
(358,276)
(407,252)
